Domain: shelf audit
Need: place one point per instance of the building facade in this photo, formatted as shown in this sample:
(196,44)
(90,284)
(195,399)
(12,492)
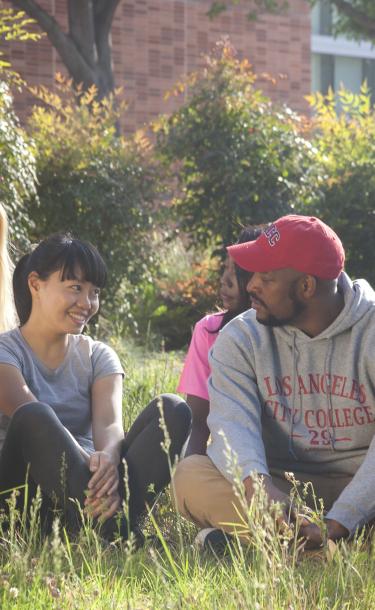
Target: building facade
(338,61)
(156,42)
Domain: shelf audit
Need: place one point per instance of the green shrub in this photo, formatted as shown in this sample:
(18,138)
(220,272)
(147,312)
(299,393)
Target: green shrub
(92,182)
(17,162)
(17,169)
(241,159)
(346,145)
(185,288)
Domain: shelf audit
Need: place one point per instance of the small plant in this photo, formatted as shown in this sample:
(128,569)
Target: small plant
(344,135)
(185,288)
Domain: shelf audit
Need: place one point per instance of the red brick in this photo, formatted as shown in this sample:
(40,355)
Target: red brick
(156,41)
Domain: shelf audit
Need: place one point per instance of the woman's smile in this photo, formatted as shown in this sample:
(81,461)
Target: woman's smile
(78,318)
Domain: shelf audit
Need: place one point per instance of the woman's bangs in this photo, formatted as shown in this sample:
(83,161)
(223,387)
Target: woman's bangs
(83,262)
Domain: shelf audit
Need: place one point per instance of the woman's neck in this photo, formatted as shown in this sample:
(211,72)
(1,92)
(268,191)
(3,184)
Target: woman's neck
(48,346)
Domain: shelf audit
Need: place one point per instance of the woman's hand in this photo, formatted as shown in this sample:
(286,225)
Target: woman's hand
(102,493)
(104,507)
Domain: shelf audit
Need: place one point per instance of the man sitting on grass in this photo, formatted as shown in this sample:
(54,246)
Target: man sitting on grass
(292,387)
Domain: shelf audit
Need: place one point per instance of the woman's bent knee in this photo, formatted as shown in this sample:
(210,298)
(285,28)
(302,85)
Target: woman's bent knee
(30,414)
(176,413)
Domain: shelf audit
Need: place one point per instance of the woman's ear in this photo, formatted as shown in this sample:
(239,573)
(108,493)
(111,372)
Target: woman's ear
(33,281)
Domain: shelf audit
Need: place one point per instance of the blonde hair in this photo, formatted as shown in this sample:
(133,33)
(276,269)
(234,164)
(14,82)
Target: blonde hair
(7,311)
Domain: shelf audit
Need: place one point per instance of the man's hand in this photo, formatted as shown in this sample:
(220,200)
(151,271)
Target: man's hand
(335,530)
(313,535)
(308,530)
(273,494)
(102,493)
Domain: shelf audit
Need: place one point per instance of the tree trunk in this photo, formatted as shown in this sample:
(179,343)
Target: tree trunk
(86,49)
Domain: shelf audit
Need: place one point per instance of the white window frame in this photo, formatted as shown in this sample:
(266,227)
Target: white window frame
(328,45)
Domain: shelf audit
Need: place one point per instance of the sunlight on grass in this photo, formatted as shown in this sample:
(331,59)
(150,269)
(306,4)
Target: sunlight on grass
(271,573)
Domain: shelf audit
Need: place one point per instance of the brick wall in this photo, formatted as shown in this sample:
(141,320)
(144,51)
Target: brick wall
(156,42)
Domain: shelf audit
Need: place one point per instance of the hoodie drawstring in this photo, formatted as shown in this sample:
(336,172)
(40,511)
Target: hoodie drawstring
(296,392)
(295,356)
(329,407)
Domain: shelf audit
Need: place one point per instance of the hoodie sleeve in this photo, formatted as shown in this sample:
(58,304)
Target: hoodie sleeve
(235,408)
(355,506)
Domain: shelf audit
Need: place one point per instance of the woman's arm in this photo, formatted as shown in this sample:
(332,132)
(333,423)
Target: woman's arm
(108,432)
(14,390)
(106,408)
(199,430)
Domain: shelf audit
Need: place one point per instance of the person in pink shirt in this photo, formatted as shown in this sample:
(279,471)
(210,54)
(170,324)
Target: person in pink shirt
(196,370)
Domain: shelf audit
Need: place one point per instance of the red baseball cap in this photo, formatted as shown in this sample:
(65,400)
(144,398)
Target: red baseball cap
(303,243)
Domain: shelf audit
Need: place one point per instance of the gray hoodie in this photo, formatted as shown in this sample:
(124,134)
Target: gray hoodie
(285,400)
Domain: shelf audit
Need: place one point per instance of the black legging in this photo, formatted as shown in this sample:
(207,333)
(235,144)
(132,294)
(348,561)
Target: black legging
(38,444)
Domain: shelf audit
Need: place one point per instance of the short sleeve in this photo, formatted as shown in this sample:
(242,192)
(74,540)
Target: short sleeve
(196,369)
(105,361)
(10,355)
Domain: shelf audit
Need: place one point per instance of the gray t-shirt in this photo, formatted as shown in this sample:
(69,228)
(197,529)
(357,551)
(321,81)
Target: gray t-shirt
(67,389)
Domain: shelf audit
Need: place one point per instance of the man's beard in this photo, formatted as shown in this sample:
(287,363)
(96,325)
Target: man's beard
(298,308)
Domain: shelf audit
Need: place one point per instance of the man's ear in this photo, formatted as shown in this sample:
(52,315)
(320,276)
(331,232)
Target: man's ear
(307,286)
(33,282)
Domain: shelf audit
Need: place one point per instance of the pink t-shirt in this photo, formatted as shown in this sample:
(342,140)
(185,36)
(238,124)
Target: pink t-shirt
(196,369)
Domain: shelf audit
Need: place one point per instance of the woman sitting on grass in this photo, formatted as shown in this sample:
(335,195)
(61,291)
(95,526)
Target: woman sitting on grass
(196,371)
(63,393)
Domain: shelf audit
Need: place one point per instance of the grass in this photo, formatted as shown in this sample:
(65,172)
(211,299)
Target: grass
(61,573)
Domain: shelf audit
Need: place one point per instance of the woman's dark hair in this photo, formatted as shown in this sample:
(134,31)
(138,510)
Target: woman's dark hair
(247,234)
(58,252)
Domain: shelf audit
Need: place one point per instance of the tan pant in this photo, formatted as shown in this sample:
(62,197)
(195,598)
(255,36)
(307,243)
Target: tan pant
(206,498)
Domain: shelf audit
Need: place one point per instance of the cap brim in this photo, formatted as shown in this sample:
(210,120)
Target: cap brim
(249,256)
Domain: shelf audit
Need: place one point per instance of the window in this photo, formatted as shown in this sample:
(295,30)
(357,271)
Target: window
(338,61)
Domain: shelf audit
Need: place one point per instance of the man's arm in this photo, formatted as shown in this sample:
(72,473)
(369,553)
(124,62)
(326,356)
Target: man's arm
(235,413)
(355,506)
(235,409)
